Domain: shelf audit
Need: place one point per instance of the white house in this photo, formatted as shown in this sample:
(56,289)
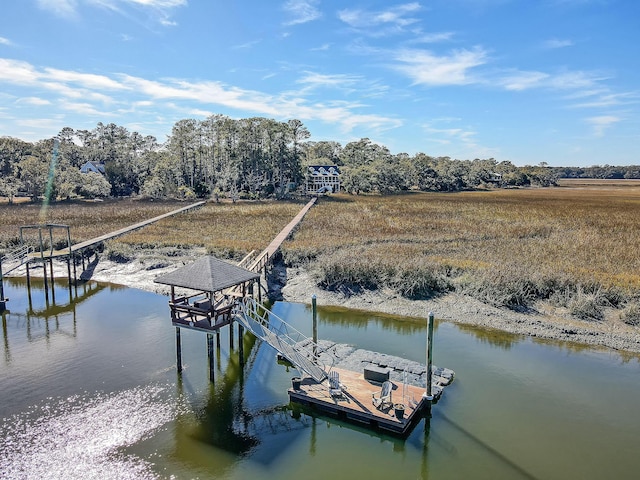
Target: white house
(92,167)
(323,179)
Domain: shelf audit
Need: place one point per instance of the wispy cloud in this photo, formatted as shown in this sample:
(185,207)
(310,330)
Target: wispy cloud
(61,8)
(602,123)
(557,43)
(381,22)
(5,41)
(87,93)
(426,68)
(301,11)
(322,48)
(160,10)
(246,45)
(315,80)
(34,101)
(462,142)
(436,37)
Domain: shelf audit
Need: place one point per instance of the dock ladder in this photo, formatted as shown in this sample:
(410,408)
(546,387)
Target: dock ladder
(289,342)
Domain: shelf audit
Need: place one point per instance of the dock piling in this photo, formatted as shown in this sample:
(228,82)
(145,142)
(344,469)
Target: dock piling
(315,325)
(210,354)
(429,392)
(178,351)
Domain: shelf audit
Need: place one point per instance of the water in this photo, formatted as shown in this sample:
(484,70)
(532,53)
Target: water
(88,389)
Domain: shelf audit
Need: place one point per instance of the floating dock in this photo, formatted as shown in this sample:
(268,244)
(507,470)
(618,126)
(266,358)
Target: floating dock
(356,402)
(362,372)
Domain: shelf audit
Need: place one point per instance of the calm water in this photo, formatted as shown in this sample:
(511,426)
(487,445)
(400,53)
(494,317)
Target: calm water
(88,389)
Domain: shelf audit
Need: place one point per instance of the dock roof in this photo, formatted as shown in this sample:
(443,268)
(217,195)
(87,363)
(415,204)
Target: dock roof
(207,274)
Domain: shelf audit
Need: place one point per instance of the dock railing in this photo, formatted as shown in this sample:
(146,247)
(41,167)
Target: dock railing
(15,258)
(289,342)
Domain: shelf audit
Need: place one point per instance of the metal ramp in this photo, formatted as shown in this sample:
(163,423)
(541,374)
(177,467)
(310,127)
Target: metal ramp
(14,259)
(289,342)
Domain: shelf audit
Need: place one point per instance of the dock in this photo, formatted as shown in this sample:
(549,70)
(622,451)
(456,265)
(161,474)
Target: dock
(355,404)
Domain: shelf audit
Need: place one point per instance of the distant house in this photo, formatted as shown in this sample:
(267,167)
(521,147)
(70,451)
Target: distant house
(323,179)
(495,177)
(92,167)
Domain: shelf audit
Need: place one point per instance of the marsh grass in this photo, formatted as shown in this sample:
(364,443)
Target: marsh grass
(504,247)
(576,246)
(226,229)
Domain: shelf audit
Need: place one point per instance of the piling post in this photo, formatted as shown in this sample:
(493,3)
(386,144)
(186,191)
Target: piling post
(314,309)
(210,356)
(53,283)
(430,321)
(44,266)
(178,351)
(3,301)
(218,339)
(231,335)
(241,344)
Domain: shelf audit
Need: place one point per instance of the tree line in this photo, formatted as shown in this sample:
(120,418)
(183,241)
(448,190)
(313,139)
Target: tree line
(252,158)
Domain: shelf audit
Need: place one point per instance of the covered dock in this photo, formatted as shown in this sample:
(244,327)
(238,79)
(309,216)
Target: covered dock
(215,284)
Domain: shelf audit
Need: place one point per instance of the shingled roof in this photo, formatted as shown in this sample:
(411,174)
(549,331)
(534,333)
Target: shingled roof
(207,274)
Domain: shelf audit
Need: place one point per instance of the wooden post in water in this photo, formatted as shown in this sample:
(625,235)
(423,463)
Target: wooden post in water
(3,301)
(53,283)
(231,335)
(44,267)
(429,392)
(315,325)
(210,356)
(241,344)
(178,351)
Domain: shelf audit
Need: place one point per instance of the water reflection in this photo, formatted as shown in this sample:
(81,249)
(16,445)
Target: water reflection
(349,318)
(495,338)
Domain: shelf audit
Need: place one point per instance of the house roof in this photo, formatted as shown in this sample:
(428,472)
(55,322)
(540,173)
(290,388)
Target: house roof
(323,170)
(207,274)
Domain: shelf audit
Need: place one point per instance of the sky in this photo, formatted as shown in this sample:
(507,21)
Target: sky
(527,81)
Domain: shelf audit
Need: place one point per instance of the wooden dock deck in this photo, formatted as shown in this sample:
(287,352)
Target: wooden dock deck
(356,405)
(273,247)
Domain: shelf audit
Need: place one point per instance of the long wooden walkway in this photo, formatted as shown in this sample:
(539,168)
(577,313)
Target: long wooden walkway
(275,244)
(109,236)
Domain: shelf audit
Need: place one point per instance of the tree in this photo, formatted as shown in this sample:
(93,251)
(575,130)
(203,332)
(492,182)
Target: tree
(94,185)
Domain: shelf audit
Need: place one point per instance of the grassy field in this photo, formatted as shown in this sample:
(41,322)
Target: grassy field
(576,246)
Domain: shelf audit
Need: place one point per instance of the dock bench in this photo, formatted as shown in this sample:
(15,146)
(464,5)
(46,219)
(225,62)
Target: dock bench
(376,374)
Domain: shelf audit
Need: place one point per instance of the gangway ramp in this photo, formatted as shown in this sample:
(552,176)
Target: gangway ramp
(289,342)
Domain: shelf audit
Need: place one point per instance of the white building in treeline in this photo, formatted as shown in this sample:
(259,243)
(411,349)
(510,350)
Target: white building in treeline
(323,179)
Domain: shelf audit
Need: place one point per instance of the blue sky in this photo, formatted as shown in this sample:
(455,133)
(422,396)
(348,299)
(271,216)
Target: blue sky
(528,81)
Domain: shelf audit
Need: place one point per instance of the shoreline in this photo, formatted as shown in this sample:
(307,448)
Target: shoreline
(297,285)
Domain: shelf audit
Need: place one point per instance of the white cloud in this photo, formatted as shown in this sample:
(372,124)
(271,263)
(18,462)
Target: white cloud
(557,43)
(602,123)
(34,101)
(611,100)
(433,37)
(62,8)
(426,68)
(159,9)
(302,11)
(5,41)
(313,80)
(524,80)
(322,48)
(397,16)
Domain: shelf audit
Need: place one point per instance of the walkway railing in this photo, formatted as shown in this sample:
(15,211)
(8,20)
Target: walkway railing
(15,258)
(289,342)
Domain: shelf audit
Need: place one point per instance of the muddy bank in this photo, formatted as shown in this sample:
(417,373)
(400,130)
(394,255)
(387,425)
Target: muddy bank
(298,285)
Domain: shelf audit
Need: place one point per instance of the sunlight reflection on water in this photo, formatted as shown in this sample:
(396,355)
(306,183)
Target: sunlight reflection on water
(81,436)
